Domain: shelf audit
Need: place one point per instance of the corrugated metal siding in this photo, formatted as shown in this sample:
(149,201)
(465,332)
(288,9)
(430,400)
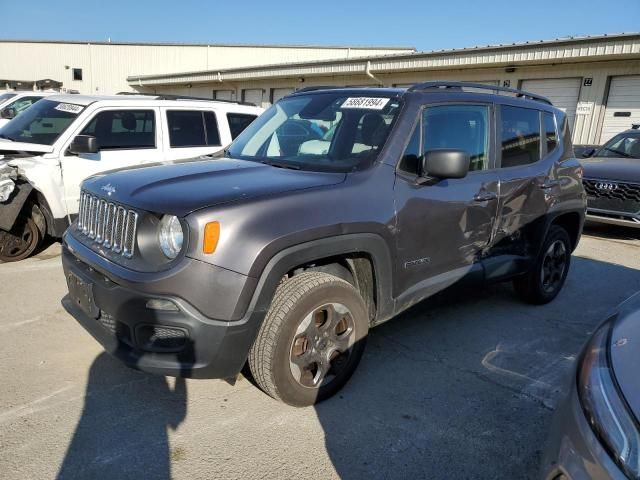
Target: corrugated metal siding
(543,52)
(107,66)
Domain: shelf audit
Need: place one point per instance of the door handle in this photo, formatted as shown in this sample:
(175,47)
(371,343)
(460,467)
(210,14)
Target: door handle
(485,196)
(549,184)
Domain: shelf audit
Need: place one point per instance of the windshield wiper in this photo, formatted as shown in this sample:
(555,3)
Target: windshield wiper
(618,152)
(281,165)
(7,137)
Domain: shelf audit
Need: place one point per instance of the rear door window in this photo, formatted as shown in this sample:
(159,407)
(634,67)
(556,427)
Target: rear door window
(520,136)
(123,129)
(192,128)
(238,122)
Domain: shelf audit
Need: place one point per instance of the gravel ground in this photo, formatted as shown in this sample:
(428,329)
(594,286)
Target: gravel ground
(461,386)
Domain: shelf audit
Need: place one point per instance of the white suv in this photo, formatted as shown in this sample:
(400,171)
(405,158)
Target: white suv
(14,103)
(47,151)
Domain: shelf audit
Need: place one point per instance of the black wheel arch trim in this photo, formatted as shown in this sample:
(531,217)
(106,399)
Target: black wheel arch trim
(370,244)
(550,219)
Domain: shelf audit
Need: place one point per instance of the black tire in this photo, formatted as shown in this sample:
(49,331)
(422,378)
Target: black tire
(549,272)
(335,314)
(21,241)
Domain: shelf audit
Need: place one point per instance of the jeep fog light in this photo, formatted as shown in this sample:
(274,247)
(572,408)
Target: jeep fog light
(170,236)
(6,189)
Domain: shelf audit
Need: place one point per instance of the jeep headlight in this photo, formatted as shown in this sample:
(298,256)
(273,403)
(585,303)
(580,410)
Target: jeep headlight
(7,186)
(170,236)
(605,407)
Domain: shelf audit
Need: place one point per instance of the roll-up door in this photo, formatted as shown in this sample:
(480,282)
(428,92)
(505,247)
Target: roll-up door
(224,94)
(278,93)
(623,106)
(563,93)
(253,96)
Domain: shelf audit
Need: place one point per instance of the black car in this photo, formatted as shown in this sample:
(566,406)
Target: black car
(333,212)
(612,180)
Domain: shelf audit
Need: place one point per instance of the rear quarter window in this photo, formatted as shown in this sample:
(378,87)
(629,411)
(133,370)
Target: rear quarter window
(192,128)
(238,122)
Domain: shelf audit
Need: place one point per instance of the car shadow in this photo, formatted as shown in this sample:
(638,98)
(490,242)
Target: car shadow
(123,429)
(464,384)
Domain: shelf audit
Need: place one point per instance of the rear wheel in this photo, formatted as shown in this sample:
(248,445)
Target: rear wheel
(545,280)
(311,340)
(21,241)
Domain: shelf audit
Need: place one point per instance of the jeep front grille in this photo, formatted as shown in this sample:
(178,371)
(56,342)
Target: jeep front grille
(108,224)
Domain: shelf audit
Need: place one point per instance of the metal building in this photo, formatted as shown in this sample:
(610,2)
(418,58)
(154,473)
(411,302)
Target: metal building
(596,80)
(103,67)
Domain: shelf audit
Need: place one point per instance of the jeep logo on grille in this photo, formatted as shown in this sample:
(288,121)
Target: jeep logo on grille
(606,187)
(110,189)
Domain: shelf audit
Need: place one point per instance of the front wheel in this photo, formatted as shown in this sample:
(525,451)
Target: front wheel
(21,241)
(549,272)
(311,340)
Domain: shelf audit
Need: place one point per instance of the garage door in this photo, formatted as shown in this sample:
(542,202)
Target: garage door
(563,93)
(623,106)
(253,96)
(224,94)
(278,93)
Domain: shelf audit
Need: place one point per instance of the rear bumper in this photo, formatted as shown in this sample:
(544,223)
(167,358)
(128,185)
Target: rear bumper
(180,342)
(573,450)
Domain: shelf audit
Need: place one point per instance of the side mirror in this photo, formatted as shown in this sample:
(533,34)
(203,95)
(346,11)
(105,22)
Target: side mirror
(83,144)
(588,153)
(445,163)
(8,113)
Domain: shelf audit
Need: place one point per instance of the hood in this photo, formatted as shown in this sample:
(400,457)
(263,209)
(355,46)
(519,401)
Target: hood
(7,148)
(611,168)
(625,352)
(182,188)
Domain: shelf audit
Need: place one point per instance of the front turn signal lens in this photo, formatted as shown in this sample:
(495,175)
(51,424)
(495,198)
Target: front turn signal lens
(211,237)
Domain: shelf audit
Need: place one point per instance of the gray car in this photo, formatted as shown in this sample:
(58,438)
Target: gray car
(612,180)
(596,430)
(333,212)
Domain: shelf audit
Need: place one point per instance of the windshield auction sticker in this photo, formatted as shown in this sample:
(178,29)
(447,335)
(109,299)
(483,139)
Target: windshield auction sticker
(369,103)
(69,107)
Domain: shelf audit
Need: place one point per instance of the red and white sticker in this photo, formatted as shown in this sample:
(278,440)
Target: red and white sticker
(369,103)
(69,107)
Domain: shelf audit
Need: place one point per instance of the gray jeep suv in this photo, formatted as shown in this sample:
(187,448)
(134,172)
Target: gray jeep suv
(333,212)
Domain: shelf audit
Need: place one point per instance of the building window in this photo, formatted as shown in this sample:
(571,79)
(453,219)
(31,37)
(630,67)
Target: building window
(77,74)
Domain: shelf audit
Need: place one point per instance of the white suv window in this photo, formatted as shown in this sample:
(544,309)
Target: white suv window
(192,128)
(123,129)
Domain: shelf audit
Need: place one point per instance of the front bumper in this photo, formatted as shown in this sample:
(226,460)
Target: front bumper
(613,218)
(181,342)
(573,451)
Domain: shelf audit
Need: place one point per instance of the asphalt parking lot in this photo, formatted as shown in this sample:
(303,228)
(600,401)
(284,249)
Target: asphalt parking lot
(461,386)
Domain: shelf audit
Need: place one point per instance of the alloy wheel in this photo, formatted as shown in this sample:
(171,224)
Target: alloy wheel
(321,345)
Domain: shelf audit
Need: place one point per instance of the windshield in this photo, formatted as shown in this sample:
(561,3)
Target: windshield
(624,145)
(43,123)
(4,96)
(325,132)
